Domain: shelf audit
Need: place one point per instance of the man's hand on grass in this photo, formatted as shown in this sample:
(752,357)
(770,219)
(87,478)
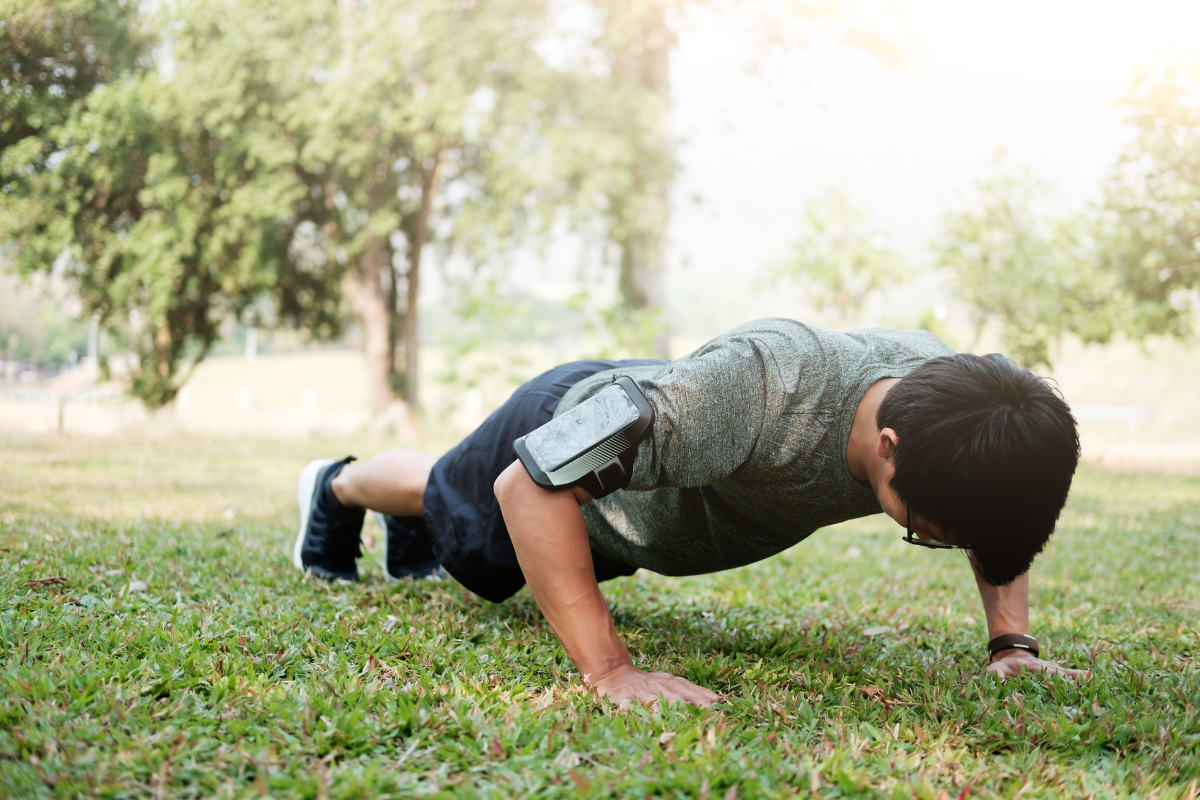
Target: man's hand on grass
(627,685)
(551,540)
(1011,662)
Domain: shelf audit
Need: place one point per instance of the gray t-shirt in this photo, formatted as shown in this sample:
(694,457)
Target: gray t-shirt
(747,455)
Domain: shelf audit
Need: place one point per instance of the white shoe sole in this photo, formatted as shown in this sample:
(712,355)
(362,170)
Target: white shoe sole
(305,488)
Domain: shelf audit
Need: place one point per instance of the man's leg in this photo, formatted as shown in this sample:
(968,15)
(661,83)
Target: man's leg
(333,498)
(392,486)
(390,483)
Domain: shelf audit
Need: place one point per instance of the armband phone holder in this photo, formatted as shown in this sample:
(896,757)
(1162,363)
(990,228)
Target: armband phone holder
(593,445)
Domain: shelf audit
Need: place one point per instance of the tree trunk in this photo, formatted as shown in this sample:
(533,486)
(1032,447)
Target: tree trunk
(374,309)
(376,323)
(395,318)
(162,350)
(418,237)
(644,58)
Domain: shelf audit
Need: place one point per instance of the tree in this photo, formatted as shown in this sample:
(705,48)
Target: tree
(1014,263)
(1130,267)
(172,197)
(442,140)
(1151,241)
(637,39)
(230,173)
(840,256)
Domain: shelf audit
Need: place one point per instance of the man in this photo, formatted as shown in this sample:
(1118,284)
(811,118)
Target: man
(759,438)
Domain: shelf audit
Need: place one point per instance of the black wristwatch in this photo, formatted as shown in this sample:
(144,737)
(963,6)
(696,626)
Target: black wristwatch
(1007,641)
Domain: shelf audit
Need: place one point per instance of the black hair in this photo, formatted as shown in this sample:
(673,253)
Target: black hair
(986,452)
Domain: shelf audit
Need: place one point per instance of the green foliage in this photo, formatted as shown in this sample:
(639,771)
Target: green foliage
(485,313)
(849,664)
(228,172)
(52,54)
(447,118)
(634,331)
(174,196)
(634,205)
(1012,262)
(636,44)
(840,256)
(1153,204)
(1131,267)
(440,141)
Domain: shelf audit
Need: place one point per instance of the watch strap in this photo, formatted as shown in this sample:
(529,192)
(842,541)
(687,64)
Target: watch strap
(1006,641)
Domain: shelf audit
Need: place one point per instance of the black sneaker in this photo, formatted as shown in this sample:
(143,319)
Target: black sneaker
(407,548)
(328,540)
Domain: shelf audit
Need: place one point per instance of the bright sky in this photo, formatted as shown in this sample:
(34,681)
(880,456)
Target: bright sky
(1039,79)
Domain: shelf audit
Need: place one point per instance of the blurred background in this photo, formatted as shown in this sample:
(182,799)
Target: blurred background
(376,218)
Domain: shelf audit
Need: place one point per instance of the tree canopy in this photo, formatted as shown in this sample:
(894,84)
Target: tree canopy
(1152,222)
(219,156)
(168,194)
(841,256)
(1035,273)
(54,53)
(184,164)
(1130,266)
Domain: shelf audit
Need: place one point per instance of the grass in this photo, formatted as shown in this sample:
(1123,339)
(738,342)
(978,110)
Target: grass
(850,664)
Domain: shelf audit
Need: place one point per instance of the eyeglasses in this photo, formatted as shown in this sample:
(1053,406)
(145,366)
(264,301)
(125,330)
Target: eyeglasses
(932,544)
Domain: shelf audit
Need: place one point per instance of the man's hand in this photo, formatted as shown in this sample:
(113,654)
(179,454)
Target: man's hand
(1007,610)
(627,685)
(1010,662)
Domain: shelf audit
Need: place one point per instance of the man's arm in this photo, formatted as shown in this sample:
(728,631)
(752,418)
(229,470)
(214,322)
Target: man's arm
(1007,611)
(550,538)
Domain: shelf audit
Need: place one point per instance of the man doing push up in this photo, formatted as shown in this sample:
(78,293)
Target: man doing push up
(711,461)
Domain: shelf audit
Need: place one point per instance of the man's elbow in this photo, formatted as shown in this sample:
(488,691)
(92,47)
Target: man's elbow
(512,483)
(515,486)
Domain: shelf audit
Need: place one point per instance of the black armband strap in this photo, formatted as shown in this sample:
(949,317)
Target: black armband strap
(1008,641)
(593,445)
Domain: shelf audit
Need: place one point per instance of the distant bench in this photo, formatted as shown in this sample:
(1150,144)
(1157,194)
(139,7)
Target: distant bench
(1134,415)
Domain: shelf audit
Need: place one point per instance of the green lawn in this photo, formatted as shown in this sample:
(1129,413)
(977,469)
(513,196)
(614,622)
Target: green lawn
(850,664)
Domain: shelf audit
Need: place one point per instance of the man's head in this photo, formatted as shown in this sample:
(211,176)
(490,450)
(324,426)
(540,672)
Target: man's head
(984,451)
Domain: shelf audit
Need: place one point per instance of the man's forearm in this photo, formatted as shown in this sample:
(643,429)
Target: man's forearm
(551,542)
(1006,607)
(1007,610)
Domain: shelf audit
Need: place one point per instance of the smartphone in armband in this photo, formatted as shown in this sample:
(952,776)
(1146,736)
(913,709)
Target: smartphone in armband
(593,445)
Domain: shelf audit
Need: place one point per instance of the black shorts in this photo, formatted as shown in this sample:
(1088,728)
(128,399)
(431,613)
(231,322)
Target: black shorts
(462,514)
